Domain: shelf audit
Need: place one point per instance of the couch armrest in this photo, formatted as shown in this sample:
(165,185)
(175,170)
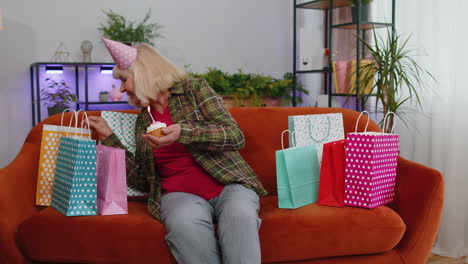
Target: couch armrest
(419,202)
(17,199)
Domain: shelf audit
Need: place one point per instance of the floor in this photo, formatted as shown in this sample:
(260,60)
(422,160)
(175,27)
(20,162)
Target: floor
(434,259)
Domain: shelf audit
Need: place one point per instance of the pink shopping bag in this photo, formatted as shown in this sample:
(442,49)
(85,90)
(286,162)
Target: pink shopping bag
(371,165)
(111,181)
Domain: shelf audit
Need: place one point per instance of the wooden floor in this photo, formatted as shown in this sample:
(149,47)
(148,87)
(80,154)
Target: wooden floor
(434,259)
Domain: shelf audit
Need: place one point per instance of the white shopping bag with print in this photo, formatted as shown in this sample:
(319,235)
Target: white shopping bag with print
(316,129)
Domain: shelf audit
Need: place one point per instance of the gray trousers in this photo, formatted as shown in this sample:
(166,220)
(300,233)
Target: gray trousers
(190,235)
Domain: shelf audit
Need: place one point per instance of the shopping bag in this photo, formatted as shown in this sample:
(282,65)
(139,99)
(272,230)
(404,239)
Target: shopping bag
(48,156)
(297,175)
(371,165)
(316,129)
(123,126)
(74,191)
(332,174)
(342,75)
(111,181)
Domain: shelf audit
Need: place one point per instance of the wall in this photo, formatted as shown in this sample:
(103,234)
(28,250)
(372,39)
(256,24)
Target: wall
(253,35)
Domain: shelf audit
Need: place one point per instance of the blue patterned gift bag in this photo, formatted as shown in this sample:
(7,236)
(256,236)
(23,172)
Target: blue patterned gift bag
(74,191)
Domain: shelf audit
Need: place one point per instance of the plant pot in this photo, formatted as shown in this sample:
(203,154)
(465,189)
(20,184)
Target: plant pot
(265,101)
(228,101)
(103,97)
(270,101)
(55,110)
(364,14)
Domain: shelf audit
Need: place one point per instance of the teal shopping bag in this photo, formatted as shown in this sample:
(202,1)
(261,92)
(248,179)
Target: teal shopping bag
(298,176)
(74,191)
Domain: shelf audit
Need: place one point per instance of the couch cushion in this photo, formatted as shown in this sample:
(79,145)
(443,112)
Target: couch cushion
(286,235)
(315,231)
(134,238)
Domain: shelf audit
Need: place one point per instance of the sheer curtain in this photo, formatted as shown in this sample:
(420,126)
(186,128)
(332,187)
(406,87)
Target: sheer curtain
(440,34)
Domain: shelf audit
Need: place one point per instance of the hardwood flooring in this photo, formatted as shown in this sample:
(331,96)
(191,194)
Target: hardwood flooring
(435,259)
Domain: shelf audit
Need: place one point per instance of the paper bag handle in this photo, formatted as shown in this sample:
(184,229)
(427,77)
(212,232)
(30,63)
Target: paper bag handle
(292,137)
(82,123)
(63,113)
(357,122)
(385,120)
(76,114)
(326,136)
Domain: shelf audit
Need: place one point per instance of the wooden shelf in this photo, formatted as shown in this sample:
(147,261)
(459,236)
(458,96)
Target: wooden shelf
(313,71)
(324,4)
(363,25)
(110,102)
(350,95)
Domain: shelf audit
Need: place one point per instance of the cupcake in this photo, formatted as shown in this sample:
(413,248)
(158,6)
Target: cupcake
(156,129)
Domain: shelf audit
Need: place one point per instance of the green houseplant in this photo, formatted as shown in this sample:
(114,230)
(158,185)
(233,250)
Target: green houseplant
(396,75)
(249,89)
(57,95)
(120,29)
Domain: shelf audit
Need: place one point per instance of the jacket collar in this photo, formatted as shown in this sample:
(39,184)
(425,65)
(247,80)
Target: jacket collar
(177,88)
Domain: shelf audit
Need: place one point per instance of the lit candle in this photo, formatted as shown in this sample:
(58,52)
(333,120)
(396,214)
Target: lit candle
(149,112)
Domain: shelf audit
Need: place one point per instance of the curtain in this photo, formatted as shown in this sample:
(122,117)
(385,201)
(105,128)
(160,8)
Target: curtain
(439,34)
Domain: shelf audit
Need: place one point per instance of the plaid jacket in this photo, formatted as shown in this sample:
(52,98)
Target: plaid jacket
(207,130)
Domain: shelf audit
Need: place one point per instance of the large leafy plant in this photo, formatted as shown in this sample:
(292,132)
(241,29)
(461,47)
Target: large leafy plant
(120,29)
(242,85)
(397,77)
(57,93)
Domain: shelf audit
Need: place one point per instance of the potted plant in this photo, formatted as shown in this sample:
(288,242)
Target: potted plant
(104,96)
(120,29)
(396,76)
(57,95)
(364,11)
(248,89)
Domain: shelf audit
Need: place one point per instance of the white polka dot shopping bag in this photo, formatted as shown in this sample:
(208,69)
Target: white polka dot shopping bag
(75,188)
(123,126)
(316,129)
(371,166)
(51,135)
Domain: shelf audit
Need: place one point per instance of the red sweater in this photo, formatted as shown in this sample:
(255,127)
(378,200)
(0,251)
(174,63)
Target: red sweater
(179,171)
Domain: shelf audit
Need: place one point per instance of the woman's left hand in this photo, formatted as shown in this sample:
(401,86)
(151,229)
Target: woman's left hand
(171,134)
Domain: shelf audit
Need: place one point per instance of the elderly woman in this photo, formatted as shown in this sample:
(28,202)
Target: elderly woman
(194,172)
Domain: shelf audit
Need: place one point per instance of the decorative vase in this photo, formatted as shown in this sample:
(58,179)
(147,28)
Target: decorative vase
(115,94)
(86,48)
(55,110)
(364,14)
(103,97)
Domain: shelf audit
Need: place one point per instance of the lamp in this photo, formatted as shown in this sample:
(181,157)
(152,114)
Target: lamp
(54,69)
(1,20)
(106,69)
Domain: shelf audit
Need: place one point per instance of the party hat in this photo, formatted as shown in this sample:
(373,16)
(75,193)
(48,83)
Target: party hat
(122,54)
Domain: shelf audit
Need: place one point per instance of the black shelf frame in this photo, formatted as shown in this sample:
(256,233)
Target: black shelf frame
(35,85)
(360,26)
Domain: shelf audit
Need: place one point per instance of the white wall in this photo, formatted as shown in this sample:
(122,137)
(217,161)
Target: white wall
(252,35)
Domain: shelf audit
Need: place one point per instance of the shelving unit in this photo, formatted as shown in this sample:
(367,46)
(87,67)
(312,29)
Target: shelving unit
(360,26)
(81,75)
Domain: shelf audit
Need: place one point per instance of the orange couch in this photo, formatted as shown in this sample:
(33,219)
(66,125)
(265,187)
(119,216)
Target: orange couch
(402,232)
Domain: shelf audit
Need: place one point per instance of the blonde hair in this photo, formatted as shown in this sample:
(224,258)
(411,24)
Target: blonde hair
(152,73)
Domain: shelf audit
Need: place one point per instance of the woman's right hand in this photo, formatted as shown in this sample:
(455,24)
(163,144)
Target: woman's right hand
(99,124)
